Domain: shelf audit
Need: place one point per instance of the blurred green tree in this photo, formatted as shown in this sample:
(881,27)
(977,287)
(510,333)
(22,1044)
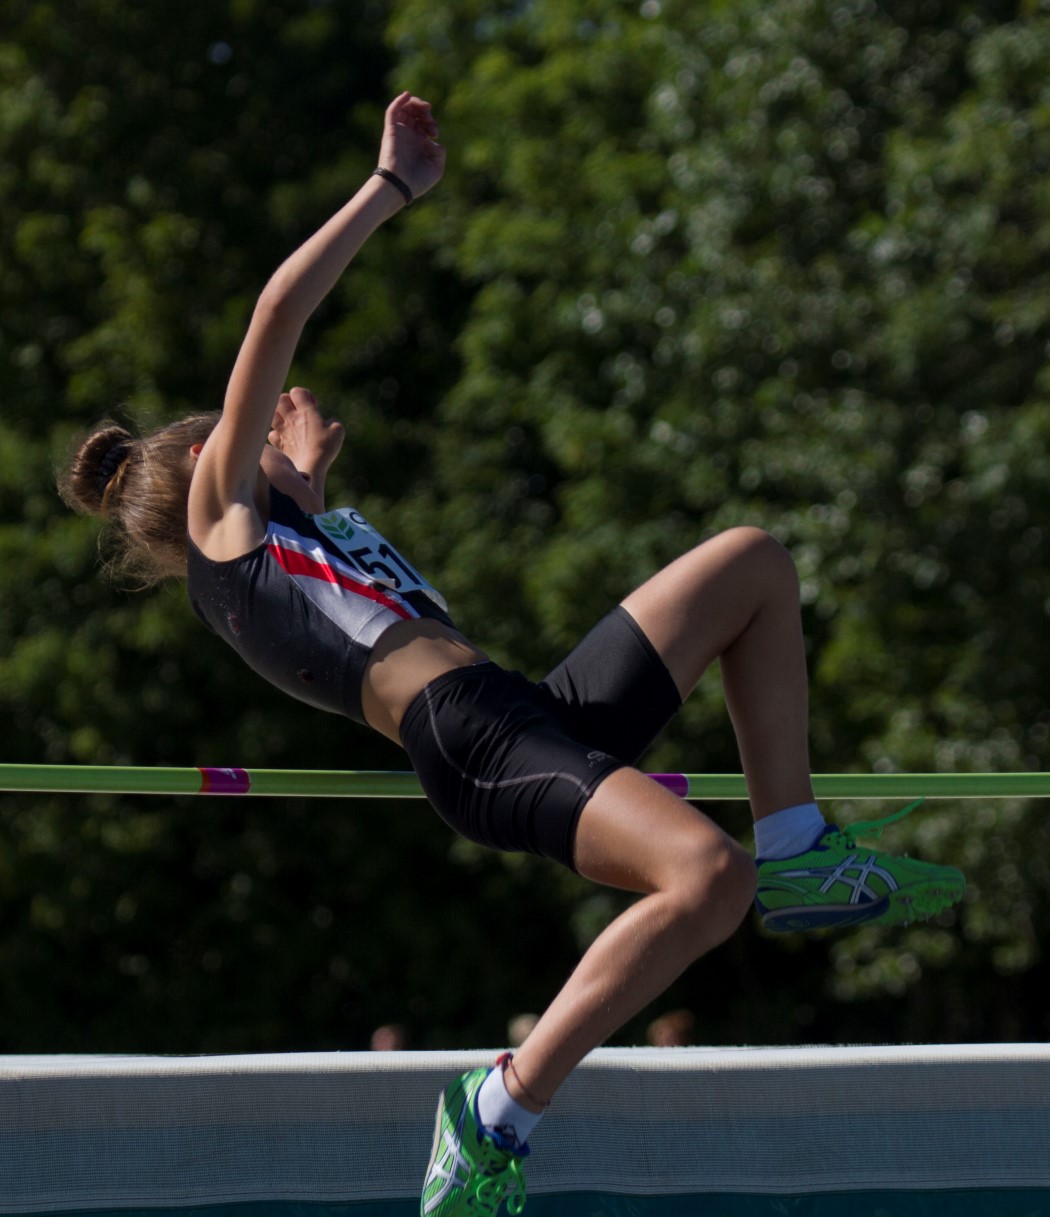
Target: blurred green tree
(154,167)
(691,266)
(782,264)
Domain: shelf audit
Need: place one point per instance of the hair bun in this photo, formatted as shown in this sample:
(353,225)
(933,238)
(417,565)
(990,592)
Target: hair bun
(93,466)
(109,465)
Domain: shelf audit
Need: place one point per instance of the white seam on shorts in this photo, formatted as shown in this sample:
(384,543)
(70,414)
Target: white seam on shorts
(477,782)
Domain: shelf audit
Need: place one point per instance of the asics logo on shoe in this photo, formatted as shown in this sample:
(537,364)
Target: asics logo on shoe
(838,884)
(451,1168)
(852,872)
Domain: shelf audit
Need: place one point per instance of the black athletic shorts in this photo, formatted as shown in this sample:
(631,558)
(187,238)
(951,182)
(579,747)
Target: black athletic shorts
(510,763)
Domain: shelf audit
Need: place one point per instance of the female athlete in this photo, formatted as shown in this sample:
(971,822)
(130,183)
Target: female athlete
(323,606)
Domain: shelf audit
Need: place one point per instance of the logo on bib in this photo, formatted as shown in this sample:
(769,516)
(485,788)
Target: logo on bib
(336,526)
(371,555)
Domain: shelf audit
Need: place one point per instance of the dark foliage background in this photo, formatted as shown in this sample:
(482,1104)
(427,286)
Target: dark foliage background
(785,263)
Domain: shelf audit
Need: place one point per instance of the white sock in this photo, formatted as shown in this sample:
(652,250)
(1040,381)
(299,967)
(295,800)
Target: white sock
(499,1113)
(791,831)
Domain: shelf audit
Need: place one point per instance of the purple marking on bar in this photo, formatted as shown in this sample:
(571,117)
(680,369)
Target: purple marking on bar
(677,783)
(225,781)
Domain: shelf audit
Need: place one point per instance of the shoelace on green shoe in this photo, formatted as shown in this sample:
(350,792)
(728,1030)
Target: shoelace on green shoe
(873,828)
(489,1192)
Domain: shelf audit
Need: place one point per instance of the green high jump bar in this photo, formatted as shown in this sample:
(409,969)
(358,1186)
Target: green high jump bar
(382,784)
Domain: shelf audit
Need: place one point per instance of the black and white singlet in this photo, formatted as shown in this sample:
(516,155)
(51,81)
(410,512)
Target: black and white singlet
(306,607)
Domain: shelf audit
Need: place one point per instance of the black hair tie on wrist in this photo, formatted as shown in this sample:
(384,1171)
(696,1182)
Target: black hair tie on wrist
(394,180)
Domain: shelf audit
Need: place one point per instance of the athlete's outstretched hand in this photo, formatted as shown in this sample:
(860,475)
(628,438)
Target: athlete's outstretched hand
(309,440)
(410,148)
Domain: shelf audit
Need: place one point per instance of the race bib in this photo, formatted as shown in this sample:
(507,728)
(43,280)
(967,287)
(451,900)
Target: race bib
(372,555)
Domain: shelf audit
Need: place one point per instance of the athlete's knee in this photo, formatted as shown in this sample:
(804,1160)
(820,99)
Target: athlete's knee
(716,889)
(733,881)
(763,548)
(766,557)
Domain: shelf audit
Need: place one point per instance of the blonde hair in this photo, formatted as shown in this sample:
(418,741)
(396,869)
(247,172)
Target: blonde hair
(139,488)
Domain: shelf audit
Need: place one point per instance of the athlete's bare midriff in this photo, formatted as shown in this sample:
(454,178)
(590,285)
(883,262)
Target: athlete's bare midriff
(407,657)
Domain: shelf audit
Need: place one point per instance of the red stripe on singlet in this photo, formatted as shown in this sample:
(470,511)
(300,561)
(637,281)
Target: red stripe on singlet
(296,563)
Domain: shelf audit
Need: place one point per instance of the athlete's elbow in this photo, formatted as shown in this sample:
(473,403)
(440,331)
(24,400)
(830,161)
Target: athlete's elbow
(278,303)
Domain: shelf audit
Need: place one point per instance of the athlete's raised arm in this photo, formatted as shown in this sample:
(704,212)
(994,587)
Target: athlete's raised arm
(227,468)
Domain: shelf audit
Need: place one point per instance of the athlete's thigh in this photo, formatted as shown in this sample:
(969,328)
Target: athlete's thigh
(698,605)
(636,835)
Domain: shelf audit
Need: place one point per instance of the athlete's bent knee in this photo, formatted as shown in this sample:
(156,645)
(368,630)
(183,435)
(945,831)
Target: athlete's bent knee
(771,567)
(734,881)
(717,892)
(762,547)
